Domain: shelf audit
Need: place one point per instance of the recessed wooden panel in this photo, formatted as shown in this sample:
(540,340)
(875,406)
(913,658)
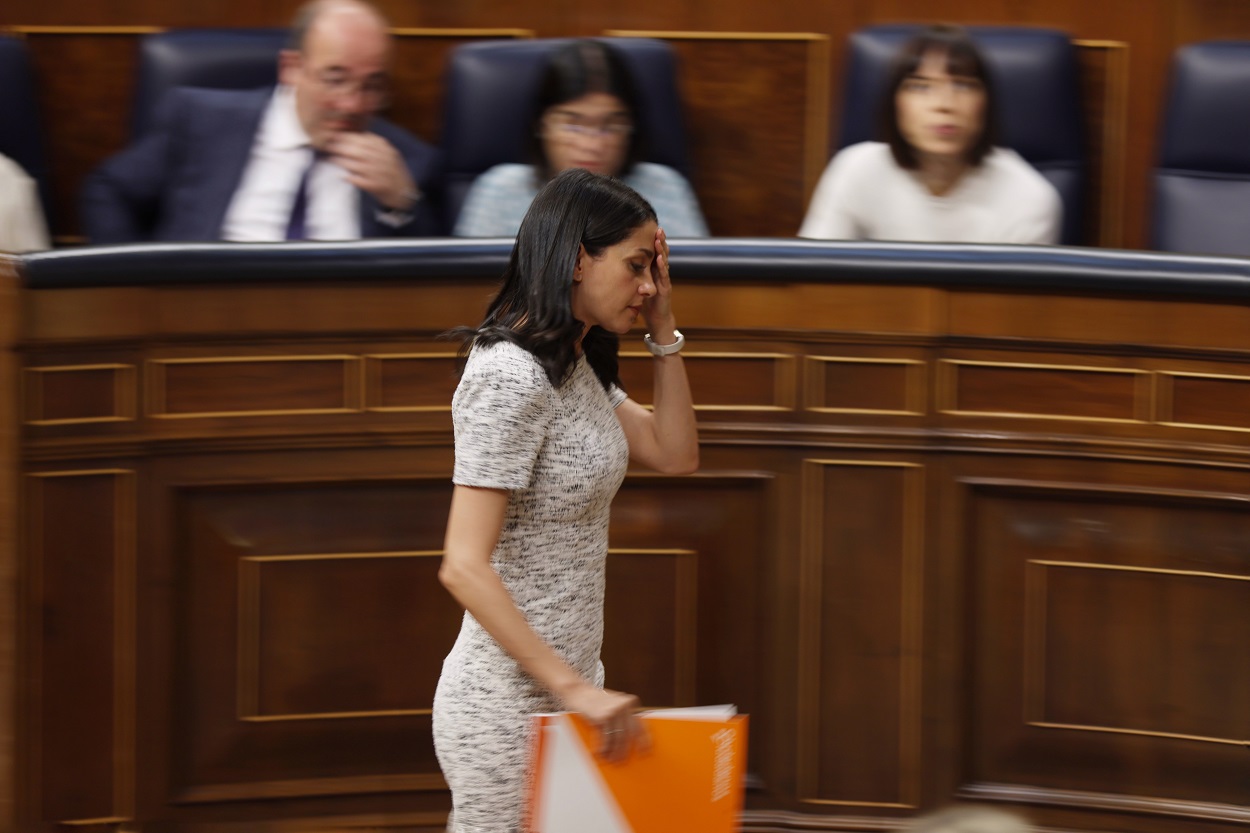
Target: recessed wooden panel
(308,649)
(345,648)
(253,386)
(411,382)
(770,92)
(81,550)
(1041,390)
(864,385)
(77,394)
(1104,77)
(664,674)
(1207,400)
(720,381)
(658,589)
(1101,636)
(859,665)
(417,71)
(1109,642)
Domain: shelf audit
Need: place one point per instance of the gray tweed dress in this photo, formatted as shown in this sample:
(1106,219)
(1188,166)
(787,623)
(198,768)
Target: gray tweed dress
(562,455)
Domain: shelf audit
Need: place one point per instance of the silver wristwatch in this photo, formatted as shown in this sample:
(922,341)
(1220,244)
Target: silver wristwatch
(664,349)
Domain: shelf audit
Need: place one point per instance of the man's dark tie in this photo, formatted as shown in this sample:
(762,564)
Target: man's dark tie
(296,227)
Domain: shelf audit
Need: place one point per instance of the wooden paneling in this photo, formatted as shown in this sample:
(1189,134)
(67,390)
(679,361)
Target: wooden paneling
(308,651)
(860,664)
(688,579)
(315,628)
(664,583)
(420,58)
(76,394)
(721,381)
(1104,67)
(1205,400)
(1038,390)
(13,778)
(865,385)
(253,386)
(1131,651)
(945,544)
(410,382)
(758,116)
(81,553)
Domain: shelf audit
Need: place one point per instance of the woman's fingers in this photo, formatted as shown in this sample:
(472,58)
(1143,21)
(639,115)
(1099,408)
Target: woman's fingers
(620,737)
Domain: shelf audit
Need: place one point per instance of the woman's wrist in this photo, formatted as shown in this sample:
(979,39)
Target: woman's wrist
(663,333)
(566,689)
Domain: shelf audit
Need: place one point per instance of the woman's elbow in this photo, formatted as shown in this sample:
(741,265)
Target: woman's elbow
(685,464)
(453,577)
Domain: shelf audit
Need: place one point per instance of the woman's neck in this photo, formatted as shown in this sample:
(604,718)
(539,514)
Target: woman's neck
(940,174)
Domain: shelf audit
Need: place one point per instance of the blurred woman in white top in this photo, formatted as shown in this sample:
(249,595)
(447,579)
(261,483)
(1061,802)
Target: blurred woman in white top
(22,228)
(938,176)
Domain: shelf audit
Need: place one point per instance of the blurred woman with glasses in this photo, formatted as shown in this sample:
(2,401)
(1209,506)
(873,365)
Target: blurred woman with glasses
(937,176)
(584,116)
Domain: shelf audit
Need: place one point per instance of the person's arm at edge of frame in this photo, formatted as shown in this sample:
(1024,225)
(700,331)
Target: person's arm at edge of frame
(119,200)
(473,528)
(667,437)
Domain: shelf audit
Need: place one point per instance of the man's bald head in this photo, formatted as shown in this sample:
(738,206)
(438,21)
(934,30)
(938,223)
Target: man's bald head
(338,67)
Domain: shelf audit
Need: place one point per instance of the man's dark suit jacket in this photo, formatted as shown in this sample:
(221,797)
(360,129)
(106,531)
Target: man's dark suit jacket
(176,182)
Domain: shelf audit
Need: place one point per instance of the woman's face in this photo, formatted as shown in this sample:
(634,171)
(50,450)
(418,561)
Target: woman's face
(940,114)
(591,132)
(609,290)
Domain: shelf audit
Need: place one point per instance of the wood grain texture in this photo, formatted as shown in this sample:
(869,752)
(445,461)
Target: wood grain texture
(14,745)
(915,602)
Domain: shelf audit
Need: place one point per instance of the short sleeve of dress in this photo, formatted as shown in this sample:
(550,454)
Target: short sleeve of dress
(500,413)
(616,396)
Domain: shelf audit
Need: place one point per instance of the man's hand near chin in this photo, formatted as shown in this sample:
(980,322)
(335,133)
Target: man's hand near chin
(374,165)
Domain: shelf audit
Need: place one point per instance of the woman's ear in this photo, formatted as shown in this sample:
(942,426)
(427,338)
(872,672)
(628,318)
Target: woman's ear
(581,259)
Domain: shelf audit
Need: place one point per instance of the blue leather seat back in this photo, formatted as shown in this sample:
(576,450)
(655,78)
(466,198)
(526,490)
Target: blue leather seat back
(1202,183)
(20,136)
(231,59)
(1037,86)
(490,89)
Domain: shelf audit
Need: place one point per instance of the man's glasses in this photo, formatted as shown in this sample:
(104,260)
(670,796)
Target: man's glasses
(375,92)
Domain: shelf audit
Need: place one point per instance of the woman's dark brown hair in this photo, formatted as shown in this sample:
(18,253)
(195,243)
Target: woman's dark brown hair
(963,59)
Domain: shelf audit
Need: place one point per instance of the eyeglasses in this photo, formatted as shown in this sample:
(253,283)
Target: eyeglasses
(376,92)
(571,126)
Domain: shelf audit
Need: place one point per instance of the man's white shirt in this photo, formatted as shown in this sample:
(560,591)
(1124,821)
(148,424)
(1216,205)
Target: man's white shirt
(261,206)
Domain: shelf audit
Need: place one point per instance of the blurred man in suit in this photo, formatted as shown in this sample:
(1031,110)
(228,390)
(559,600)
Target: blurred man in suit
(308,160)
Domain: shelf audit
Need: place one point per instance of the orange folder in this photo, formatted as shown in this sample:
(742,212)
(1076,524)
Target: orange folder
(690,780)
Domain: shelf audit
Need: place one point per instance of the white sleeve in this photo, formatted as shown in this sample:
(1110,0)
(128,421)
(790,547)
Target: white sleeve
(500,413)
(26,230)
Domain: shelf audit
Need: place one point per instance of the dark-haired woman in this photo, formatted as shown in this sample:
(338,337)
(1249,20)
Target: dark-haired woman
(543,437)
(585,115)
(938,176)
